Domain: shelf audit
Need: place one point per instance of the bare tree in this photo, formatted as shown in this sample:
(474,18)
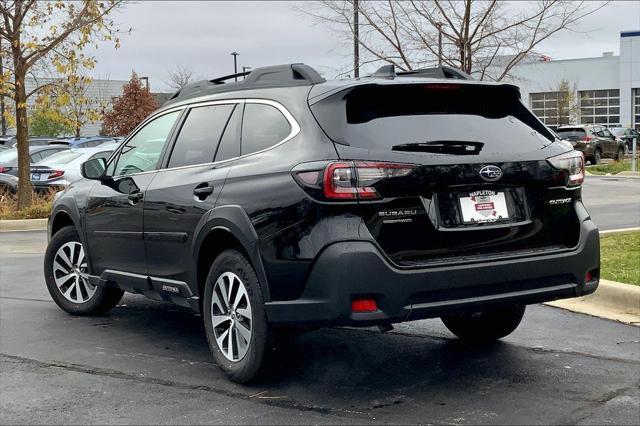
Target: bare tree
(179,77)
(483,38)
(567,108)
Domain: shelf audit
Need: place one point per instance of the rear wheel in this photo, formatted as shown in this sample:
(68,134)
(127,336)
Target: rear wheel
(485,326)
(234,317)
(65,272)
(597,156)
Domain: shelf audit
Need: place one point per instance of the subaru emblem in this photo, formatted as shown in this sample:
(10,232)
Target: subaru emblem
(491,173)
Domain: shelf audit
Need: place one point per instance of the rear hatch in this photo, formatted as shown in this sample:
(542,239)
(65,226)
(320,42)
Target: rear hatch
(577,136)
(477,181)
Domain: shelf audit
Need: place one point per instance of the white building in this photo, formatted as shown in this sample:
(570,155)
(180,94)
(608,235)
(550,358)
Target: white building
(607,87)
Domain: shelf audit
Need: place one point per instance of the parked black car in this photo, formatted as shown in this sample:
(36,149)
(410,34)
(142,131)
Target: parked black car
(596,142)
(284,200)
(626,136)
(9,158)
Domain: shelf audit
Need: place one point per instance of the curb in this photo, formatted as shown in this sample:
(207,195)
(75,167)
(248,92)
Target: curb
(615,231)
(612,300)
(23,225)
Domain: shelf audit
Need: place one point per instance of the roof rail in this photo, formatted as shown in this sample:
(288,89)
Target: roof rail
(264,77)
(442,71)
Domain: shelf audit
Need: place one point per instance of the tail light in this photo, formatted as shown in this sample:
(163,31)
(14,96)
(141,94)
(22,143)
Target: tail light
(4,169)
(587,138)
(55,174)
(353,180)
(573,163)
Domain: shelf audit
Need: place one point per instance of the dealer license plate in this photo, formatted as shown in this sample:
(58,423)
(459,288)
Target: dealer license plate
(484,206)
(35,177)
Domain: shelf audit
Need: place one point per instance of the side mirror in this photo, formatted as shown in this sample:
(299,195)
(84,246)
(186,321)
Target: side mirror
(94,169)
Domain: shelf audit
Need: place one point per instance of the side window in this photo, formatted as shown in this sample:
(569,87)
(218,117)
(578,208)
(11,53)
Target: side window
(262,126)
(606,133)
(230,143)
(142,152)
(199,136)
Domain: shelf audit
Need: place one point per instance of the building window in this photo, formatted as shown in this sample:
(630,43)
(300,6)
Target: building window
(600,107)
(550,107)
(636,108)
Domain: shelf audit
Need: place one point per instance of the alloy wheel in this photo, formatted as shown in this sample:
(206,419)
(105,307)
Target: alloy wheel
(70,273)
(231,316)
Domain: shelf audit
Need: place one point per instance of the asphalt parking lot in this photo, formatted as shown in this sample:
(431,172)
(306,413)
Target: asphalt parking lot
(148,362)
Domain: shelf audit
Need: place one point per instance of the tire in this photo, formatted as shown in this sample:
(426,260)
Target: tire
(620,154)
(597,156)
(486,326)
(242,319)
(74,294)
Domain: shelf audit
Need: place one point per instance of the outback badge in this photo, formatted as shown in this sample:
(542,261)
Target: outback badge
(491,173)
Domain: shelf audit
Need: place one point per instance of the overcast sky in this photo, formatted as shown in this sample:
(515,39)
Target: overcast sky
(201,35)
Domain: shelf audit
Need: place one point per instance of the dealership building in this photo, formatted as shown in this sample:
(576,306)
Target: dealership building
(606,89)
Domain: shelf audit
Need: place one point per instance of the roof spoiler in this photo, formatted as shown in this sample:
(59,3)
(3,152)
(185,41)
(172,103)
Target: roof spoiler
(442,71)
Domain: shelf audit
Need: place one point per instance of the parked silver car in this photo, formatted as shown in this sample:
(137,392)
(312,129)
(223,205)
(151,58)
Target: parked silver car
(61,169)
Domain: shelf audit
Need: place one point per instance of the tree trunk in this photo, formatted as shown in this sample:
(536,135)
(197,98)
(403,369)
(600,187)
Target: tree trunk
(22,134)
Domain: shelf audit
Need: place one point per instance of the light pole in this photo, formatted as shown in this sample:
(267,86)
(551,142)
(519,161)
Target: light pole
(235,63)
(245,69)
(439,26)
(356,44)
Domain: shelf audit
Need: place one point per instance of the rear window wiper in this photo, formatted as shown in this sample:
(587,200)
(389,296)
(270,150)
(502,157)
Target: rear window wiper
(442,147)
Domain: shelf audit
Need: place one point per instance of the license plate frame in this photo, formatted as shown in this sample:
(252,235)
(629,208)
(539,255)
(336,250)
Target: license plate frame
(35,177)
(483,206)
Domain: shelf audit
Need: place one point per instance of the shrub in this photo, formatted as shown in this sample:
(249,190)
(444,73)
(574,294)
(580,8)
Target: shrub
(40,207)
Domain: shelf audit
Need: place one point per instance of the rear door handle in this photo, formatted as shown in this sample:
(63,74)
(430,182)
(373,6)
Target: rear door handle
(203,192)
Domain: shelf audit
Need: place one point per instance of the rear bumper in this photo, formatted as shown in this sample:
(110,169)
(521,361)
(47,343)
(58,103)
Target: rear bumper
(348,270)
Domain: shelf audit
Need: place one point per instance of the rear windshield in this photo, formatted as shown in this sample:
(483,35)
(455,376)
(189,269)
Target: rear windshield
(62,157)
(8,155)
(571,133)
(394,117)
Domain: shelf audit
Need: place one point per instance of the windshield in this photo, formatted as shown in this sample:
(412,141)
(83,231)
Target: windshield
(8,156)
(63,157)
(618,131)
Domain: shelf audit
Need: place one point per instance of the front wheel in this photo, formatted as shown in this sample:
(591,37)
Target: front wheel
(234,317)
(485,326)
(65,272)
(620,155)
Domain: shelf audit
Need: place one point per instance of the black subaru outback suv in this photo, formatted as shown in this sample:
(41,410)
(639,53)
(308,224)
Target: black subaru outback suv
(284,200)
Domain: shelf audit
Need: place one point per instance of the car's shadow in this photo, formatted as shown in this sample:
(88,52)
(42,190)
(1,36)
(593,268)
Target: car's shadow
(344,365)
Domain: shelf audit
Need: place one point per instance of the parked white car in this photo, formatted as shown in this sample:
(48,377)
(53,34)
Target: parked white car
(61,169)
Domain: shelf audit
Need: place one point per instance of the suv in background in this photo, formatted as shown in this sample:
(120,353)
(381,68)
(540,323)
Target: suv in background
(596,142)
(286,201)
(626,136)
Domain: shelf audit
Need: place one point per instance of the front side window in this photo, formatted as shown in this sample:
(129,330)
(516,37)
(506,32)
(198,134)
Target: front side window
(262,127)
(142,152)
(199,136)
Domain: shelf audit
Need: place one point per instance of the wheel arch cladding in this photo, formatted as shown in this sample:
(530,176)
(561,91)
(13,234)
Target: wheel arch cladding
(227,227)
(61,219)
